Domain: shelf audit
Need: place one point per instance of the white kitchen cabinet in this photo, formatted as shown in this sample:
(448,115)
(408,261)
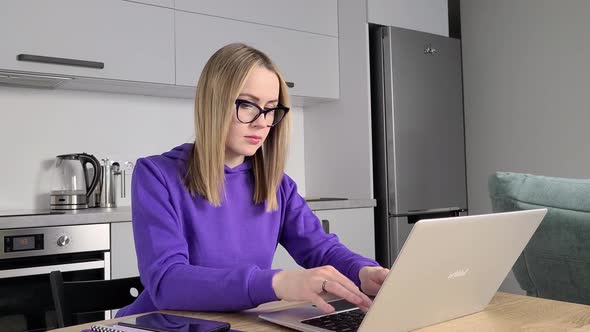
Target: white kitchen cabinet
(135,42)
(123,257)
(308,60)
(430,16)
(305,15)
(354,228)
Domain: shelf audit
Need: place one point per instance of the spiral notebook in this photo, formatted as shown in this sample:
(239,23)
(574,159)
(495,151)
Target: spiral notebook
(112,328)
(161,322)
(119,328)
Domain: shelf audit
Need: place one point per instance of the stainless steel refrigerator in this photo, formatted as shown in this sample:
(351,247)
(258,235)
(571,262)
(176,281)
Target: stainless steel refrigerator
(418,133)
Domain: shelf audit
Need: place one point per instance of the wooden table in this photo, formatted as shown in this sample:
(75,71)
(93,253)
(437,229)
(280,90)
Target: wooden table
(506,312)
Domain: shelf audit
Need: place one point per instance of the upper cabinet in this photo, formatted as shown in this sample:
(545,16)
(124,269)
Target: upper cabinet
(107,39)
(430,16)
(305,15)
(308,60)
(159,47)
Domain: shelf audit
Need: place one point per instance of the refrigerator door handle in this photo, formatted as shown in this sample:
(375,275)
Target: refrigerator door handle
(455,209)
(414,215)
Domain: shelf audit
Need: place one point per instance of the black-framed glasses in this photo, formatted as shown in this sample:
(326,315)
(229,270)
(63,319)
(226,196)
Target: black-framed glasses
(248,111)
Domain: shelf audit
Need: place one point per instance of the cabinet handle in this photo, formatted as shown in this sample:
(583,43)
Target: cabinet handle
(290,84)
(60,61)
(326,225)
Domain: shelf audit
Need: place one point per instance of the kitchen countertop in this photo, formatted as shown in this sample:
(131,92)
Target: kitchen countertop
(123,214)
(336,204)
(77,217)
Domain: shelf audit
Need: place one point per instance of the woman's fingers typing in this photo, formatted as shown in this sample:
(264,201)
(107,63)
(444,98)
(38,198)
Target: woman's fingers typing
(343,287)
(341,292)
(319,302)
(372,277)
(308,285)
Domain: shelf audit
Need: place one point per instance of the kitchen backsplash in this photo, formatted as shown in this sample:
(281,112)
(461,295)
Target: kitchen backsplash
(39,124)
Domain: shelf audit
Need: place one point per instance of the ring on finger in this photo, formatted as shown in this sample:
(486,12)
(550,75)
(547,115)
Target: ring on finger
(324,286)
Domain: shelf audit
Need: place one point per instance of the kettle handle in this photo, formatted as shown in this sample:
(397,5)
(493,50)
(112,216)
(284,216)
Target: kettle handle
(85,159)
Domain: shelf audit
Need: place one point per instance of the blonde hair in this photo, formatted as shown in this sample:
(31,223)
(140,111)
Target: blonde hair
(220,83)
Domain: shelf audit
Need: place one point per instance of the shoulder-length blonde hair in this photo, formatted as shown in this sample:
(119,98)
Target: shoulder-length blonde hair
(220,83)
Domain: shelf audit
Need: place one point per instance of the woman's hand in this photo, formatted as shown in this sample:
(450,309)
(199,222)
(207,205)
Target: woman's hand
(308,285)
(372,277)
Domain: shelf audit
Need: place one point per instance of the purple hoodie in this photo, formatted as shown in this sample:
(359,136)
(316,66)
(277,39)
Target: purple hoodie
(197,257)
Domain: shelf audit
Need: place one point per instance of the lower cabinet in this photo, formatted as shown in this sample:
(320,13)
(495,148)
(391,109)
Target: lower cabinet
(354,228)
(123,258)
(283,260)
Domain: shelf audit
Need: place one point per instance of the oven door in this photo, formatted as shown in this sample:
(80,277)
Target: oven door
(26,303)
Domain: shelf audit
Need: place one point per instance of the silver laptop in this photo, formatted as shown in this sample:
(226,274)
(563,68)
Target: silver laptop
(448,268)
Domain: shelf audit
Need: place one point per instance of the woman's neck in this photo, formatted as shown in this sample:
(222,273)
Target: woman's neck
(232,162)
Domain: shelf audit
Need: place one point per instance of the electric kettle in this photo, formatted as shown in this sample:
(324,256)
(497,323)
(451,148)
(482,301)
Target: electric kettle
(73,181)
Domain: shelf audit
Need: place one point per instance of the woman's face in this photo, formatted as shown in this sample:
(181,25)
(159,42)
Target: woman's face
(243,139)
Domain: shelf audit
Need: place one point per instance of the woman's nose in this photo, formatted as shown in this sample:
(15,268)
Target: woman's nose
(260,121)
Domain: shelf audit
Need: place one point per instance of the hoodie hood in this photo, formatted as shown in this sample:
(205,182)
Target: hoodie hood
(182,153)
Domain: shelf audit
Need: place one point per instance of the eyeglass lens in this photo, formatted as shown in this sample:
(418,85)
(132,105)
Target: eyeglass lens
(249,112)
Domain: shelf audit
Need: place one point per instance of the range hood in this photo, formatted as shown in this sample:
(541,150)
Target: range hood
(57,81)
(32,80)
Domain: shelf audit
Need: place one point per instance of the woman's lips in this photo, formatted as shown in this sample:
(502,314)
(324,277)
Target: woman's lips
(253,139)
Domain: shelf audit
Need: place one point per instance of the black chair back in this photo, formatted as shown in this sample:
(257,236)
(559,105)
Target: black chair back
(75,297)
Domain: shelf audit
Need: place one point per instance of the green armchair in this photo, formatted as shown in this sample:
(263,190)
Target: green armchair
(556,262)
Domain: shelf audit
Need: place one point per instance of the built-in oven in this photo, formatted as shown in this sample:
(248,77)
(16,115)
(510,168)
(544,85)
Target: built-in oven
(28,255)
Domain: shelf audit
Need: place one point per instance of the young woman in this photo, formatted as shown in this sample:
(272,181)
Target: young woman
(208,216)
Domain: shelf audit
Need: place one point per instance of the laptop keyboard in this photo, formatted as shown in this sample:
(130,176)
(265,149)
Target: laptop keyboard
(346,321)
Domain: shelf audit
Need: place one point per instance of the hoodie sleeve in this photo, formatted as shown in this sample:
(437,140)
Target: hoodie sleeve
(163,259)
(306,241)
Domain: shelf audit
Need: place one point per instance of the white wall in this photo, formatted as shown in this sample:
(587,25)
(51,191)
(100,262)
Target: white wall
(526,70)
(36,125)
(338,134)
(421,15)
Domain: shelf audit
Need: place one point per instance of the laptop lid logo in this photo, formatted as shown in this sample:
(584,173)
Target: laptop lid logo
(458,274)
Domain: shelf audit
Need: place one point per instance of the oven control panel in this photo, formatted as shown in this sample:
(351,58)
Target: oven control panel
(24,242)
(17,243)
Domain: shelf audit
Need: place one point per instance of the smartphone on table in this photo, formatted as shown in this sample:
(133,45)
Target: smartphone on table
(159,322)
